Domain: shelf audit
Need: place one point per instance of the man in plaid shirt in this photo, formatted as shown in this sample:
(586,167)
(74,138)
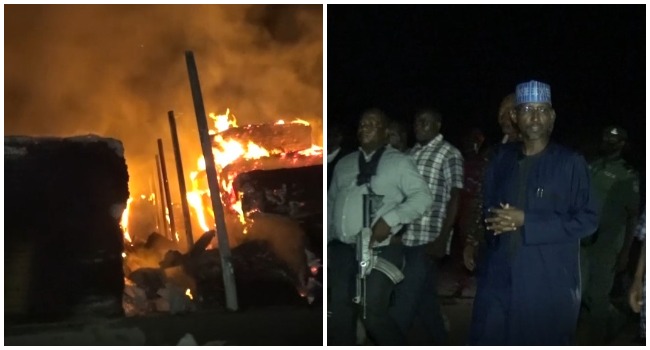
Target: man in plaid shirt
(429,237)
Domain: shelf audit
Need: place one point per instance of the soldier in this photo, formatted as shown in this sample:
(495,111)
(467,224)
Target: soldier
(616,186)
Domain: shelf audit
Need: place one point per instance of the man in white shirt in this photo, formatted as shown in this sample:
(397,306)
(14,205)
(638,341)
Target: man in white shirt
(380,170)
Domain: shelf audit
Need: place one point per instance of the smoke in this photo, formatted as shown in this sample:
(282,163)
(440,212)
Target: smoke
(115,71)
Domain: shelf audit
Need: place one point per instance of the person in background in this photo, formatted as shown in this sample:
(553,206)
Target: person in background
(335,149)
(397,135)
(616,186)
(427,239)
(505,118)
(470,225)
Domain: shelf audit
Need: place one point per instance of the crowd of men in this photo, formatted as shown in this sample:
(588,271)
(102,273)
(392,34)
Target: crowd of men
(543,231)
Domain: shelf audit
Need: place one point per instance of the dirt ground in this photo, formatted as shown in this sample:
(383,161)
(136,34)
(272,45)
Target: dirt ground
(278,325)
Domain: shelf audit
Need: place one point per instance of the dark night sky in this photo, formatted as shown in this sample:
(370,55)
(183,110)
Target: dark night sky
(464,59)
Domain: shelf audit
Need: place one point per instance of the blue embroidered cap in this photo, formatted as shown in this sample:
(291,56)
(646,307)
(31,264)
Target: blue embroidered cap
(533,92)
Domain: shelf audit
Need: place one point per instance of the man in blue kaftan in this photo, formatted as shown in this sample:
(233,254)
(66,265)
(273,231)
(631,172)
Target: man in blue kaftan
(538,205)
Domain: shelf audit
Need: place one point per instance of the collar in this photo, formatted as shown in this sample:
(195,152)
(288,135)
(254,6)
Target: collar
(367,156)
(431,143)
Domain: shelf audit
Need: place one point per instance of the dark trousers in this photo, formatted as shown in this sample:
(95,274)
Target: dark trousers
(341,278)
(417,296)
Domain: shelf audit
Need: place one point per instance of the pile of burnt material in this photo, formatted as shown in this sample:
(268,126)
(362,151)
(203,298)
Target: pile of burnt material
(279,137)
(63,243)
(262,278)
(295,193)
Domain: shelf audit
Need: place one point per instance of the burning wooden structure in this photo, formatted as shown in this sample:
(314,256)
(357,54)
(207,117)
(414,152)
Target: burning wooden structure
(271,177)
(63,241)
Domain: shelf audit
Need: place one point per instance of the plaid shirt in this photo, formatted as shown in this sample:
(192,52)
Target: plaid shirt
(441,165)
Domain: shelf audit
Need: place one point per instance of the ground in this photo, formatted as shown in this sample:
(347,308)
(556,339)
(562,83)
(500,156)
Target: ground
(458,310)
(278,325)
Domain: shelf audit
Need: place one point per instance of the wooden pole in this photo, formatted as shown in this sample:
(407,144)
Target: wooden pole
(152,189)
(161,197)
(181,181)
(213,183)
(168,196)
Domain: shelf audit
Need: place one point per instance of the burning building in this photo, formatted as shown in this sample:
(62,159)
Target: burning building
(270,176)
(55,264)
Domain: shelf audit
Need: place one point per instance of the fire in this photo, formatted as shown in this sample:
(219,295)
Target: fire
(226,151)
(188,292)
(194,200)
(224,121)
(124,221)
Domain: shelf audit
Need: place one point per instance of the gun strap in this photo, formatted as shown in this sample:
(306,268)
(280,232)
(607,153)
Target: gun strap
(368,169)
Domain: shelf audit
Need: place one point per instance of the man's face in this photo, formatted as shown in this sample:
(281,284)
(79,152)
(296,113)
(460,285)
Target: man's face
(535,120)
(506,113)
(396,136)
(425,127)
(372,130)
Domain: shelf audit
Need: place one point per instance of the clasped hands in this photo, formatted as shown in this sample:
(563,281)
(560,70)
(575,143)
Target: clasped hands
(504,219)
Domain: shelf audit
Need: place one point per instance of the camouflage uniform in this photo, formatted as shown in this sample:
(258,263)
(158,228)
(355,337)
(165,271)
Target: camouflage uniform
(617,189)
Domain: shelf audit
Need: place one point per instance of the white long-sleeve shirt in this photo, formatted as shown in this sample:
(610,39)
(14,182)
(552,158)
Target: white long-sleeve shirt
(406,195)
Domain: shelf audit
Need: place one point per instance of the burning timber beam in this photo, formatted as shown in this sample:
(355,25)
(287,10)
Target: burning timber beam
(168,196)
(181,180)
(283,137)
(63,242)
(228,273)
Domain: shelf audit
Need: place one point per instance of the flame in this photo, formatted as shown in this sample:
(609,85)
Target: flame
(224,121)
(188,292)
(124,221)
(226,151)
(194,200)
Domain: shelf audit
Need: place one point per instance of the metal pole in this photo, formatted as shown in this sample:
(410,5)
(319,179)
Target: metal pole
(161,197)
(215,193)
(168,197)
(181,181)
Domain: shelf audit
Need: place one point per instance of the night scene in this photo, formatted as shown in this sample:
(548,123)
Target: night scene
(164,175)
(486,172)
